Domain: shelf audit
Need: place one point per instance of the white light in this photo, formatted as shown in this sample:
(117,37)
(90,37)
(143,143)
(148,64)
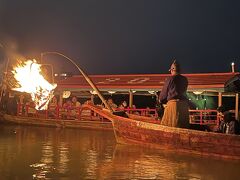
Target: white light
(66,94)
(233,67)
(197,92)
(93,92)
(111,92)
(151,92)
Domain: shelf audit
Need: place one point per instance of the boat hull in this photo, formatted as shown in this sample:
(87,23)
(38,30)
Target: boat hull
(129,131)
(83,124)
(148,132)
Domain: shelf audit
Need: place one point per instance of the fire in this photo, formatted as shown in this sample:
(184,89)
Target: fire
(29,77)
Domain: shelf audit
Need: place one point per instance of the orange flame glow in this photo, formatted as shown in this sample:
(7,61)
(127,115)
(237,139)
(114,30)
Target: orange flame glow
(31,81)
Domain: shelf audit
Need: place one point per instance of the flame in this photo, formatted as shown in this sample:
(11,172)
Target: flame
(31,81)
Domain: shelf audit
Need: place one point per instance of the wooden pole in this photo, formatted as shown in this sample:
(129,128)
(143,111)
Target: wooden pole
(4,85)
(237,106)
(219,99)
(61,99)
(130,98)
(85,76)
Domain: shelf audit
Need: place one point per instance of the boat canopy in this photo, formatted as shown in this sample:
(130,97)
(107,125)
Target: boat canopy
(210,82)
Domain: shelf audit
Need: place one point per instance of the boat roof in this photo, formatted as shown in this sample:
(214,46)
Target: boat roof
(211,82)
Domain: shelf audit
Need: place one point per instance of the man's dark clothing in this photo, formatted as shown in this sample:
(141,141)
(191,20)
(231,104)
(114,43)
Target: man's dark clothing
(229,125)
(175,87)
(229,128)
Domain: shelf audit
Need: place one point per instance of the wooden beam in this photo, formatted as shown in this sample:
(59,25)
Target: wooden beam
(61,98)
(237,106)
(130,98)
(219,99)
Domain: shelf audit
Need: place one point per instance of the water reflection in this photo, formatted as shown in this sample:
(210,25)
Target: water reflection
(92,161)
(132,162)
(50,153)
(63,158)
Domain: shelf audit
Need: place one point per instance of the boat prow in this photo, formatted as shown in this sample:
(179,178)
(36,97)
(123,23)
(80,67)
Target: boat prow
(150,133)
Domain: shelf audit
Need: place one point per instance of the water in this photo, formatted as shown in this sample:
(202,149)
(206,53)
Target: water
(49,153)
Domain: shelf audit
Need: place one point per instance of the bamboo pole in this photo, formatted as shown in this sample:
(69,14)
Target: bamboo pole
(84,75)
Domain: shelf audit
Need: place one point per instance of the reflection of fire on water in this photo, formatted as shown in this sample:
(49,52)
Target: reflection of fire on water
(30,80)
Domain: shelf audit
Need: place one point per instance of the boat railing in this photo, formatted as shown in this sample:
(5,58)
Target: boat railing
(59,112)
(202,117)
(148,112)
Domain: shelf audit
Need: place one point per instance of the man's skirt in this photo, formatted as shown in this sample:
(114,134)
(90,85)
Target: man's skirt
(176,114)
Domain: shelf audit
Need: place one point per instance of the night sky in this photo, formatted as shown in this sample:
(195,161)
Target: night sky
(125,36)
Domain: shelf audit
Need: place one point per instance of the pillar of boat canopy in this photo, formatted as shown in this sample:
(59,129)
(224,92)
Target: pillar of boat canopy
(237,106)
(61,99)
(130,98)
(219,99)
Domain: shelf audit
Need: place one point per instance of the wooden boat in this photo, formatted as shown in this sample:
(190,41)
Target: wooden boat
(83,122)
(149,132)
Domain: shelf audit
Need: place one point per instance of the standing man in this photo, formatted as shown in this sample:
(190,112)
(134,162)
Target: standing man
(176,113)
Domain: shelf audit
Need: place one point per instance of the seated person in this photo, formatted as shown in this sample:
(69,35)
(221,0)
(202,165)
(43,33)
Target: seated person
(123,105)
(75,107)
(52,107)
(12,106)
(30,108)
(88,102)
(67,107)
(229,125)
(111,103)
(67,104)
(134,110)
(21,105)
(75,102)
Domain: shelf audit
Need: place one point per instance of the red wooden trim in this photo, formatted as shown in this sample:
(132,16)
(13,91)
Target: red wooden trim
(158,75)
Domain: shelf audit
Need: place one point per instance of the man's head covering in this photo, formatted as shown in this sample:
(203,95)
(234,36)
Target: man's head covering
(175,66)
(228,117)
(221,109)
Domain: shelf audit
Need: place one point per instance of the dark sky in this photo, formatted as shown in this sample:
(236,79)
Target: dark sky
(126,36)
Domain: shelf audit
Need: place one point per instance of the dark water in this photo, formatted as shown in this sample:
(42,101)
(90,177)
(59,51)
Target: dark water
(49,153)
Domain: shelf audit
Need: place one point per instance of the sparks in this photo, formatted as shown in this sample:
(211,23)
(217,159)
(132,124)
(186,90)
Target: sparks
(29,78)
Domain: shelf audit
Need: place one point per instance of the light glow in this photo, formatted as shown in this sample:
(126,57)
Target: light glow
(197,92)
(111,92)
(30,80)
(151,92)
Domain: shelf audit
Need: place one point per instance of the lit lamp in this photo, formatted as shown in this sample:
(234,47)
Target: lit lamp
(111,92)
(233,67)
(151,92)
(197,92)
(93,92)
